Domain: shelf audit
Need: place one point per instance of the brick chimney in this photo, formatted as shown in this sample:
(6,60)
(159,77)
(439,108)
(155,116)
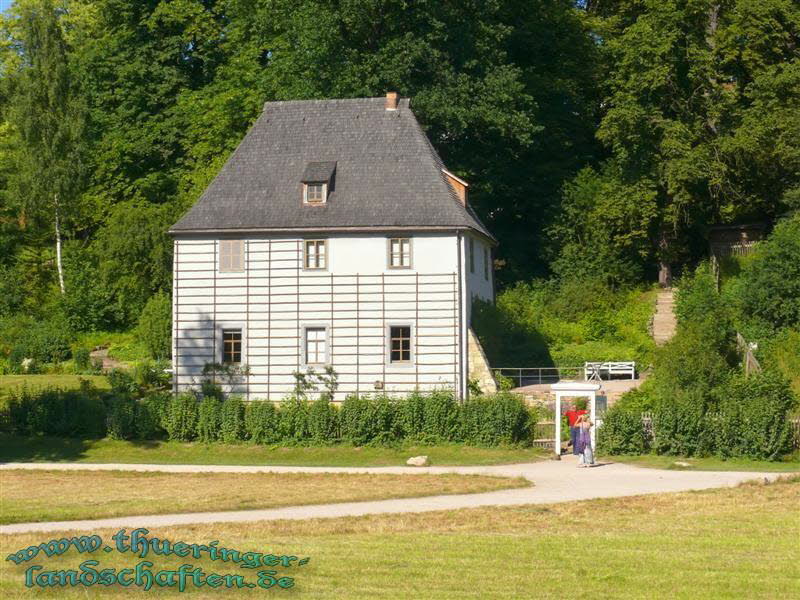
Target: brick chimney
(391,100)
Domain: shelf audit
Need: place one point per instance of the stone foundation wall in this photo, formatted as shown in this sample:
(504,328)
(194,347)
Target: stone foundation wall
(479,366)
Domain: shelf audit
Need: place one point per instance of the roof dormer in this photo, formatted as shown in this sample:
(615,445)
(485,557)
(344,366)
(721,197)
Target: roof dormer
(318,182)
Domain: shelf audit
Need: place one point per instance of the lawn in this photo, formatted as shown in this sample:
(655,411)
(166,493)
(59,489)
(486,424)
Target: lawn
(727,543)
(28,496)
(65,382)
(709,463)
(49,449)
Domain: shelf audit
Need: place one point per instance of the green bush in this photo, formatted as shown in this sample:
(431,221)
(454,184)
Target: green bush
(64,413)
(681,424)
(623,431)
(182,418)
(496,419)
(82,359)
(261,422)
(368,420)
(440,417)
(323,422)
(151,415)
(698,306)
(154,330)
(44,342)
(771,280)
(293,420)
(231,420)
(208,420)
(121,422)
(753,417)
(691,360)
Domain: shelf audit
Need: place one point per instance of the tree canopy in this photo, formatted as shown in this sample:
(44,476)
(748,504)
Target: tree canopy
(598,137)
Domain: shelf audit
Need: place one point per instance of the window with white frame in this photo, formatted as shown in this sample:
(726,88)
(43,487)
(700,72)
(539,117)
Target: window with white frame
(399,253)
(486,263)
(471,255)
(315,254)
(400,344)
(232,346)
(231,256)
(316,345)
(315,193)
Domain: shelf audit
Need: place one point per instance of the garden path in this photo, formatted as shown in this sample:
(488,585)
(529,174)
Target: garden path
(554,481)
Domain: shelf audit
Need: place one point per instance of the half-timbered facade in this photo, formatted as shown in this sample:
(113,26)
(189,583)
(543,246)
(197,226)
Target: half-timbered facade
(333,236)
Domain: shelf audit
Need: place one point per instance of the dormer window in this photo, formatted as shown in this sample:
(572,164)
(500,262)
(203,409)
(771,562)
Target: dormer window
(318,182)
(316,193)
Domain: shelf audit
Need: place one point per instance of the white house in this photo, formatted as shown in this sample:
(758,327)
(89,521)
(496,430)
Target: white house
(334,235)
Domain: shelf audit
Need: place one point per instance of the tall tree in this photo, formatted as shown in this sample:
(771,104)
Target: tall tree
(694,91)
(47,115)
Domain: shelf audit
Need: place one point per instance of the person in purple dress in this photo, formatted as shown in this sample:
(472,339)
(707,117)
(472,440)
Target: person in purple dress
(583,441)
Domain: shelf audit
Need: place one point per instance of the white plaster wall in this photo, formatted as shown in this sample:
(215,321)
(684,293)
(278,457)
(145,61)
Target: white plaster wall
(480,282)
(356,298)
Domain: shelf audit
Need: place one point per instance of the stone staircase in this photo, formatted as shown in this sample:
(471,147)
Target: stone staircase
(664,321)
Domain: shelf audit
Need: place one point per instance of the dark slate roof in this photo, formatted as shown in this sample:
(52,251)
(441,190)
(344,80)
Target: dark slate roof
(387,174)
(318,172)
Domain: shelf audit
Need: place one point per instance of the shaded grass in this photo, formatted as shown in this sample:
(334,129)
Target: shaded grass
(727,543)
(712,463)
(51,449)
(28,496)
(9,383)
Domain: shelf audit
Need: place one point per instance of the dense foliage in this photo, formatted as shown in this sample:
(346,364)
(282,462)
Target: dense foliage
(699,400)
(565,323)
(122,414)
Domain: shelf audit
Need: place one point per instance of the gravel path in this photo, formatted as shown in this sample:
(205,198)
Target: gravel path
(554,481)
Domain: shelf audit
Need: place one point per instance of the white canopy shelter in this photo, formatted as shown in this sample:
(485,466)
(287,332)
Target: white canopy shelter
(574,389)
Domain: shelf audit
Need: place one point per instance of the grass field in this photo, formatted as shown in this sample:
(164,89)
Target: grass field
(33,382)
(48,449)
(727,543)
(28,496)
(709,464)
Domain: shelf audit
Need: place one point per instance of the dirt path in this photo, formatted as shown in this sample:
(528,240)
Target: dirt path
(554,481)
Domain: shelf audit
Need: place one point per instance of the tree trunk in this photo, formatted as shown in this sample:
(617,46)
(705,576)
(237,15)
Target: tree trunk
(59,266)
(664,274)
(664,267)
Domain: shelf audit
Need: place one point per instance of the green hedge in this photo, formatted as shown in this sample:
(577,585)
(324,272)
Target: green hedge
(435,417)
(72,413)
(741,417)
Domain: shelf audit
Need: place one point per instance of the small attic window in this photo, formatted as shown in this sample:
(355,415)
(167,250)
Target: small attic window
(318,182)
(315,193)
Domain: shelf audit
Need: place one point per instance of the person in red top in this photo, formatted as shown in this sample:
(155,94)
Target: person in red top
(572,417)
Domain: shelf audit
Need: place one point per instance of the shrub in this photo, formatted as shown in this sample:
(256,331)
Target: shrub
(368,420)
(45,342)
(681,424)
(155,326)
(261,422)
(500,418)
(231,420)
(122,382)
(753,418)
(151,415)
(293,420)
(72,413)
(323,421)
(121,423)
(82,359)
(691,360)
(623,431)
(771,281)
(698,304)
(208,420)
(182,417)
(440,413)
